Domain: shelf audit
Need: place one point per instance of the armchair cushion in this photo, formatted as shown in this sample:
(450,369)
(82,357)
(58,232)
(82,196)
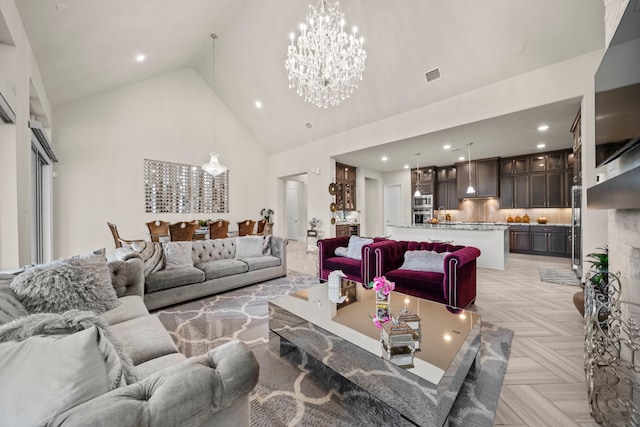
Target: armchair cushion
(429,261)
(342,251)
(354,250)
(347,265)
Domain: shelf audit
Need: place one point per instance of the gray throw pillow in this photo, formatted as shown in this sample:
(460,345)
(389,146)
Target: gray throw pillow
(248,247)
(177,255)
(152,255)
(47,375)
(429,261)
(82,283)
(66,323)
(354,250)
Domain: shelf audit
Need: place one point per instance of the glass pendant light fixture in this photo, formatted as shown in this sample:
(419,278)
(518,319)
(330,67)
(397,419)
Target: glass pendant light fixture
(417,193)
(470,189)
(213,167)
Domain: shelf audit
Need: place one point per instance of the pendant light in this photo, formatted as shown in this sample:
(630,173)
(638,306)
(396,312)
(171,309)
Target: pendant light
(214,167)
(417,193)
(470,189)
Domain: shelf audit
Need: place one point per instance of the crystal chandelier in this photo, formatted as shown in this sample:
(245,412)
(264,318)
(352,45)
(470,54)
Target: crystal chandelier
(325,64)
(214,167)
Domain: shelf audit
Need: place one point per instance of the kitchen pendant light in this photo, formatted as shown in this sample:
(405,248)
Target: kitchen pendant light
(214,167)
(470,189)
(417,193)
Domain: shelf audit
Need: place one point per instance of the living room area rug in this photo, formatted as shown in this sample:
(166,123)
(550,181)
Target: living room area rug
(288,392)
(559,277)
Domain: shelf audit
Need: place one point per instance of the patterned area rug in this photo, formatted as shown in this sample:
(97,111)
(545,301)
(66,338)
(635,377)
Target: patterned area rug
(288,394)
(559,277)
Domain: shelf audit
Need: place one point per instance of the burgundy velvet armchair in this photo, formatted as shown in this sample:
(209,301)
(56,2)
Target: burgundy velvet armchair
(361,271)
(456,286)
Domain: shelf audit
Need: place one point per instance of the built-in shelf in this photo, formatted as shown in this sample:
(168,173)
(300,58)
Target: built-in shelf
(619,192)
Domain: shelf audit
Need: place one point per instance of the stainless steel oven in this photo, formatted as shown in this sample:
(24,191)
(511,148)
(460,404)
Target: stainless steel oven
(422,216)
(424,201)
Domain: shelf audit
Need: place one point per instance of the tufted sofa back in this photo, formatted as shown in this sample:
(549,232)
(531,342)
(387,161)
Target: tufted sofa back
(213,250)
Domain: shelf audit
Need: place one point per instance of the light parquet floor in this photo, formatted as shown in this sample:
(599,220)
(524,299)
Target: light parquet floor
(545,383)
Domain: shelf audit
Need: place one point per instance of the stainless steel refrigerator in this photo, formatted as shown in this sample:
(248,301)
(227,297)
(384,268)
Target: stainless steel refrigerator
(576,230)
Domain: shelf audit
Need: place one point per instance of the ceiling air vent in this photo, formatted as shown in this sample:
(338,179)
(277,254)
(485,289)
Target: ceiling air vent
(432,75)
(308,125)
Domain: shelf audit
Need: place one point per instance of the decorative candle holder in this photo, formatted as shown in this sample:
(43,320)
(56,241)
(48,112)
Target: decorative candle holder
(413,321)
(397,340)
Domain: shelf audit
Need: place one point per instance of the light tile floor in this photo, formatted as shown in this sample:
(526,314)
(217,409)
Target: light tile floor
(545,383)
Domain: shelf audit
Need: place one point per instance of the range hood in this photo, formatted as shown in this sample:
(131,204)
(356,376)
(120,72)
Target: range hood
(6,113)
(42,138)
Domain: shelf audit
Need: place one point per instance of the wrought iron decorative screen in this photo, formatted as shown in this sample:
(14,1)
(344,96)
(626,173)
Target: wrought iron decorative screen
(179,188)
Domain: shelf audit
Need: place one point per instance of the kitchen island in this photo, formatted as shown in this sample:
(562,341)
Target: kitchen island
(491,239)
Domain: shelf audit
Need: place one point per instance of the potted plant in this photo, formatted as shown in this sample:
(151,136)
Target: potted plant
(598,276)
(203,223)
(267,213)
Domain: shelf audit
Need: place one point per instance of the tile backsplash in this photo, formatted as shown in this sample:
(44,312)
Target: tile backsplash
(489,210)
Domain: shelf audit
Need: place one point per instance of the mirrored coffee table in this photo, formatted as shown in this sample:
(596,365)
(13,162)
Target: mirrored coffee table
(345,347)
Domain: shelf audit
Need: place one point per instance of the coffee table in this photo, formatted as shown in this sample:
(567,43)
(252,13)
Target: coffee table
(344,346)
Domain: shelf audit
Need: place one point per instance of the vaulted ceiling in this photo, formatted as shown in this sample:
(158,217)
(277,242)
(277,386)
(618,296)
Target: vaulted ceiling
(84,47)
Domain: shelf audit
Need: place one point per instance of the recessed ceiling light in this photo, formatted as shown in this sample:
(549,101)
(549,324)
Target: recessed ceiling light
(140,58)
(384,158)
(447,337)
(541,145)
(446,146)
(461,158)
(543,127)
(258,104)
(406,166)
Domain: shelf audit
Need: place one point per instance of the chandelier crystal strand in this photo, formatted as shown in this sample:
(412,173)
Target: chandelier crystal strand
(324,63)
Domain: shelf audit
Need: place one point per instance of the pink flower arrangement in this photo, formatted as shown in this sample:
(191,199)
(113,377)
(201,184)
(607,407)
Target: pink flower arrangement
(383,288)
(381,284)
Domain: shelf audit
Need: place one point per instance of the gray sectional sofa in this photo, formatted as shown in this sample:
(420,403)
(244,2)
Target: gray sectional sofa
(216,268)
(212,389)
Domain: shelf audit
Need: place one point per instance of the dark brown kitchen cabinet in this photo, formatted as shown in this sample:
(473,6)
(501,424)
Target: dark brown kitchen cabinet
(345,187)
(547,190)
(423,179)
(548,161)
(484,178)
(519,239)
(514,191)
(548,241)
(514,166)
(568,183)
(446,190)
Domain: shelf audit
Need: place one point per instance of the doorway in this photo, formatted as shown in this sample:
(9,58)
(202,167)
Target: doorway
(295,206)
(392,206)
(372,218)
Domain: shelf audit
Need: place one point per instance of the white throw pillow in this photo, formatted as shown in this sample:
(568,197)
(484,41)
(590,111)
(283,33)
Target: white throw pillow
(249,247)
(48,374)
(429,261)
(177,255)
(341,251)
(354,250)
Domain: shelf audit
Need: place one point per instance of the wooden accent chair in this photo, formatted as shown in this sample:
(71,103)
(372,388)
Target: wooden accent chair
(182,231)
(158,228)
(219,229)
(245,228)
(264,227)
(116,236)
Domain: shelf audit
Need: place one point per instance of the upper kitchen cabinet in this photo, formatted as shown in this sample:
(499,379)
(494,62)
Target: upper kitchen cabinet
(514,166)
(424,179)
(446,190)
(547,190)
(543,162)
(484,178)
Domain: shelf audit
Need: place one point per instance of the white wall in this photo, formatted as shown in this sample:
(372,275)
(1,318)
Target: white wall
(102,142)
(564,80)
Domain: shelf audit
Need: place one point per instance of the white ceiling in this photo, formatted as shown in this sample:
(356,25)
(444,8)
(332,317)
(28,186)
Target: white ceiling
(90,46)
